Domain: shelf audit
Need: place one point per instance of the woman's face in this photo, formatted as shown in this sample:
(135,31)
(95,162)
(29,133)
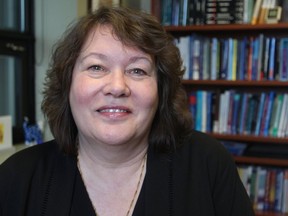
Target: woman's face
(113,95)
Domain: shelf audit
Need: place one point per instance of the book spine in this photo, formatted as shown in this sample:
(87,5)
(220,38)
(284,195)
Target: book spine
(268,114)
(256,11)
(284,110)
(283,68)
(272,58)
(166,12)
(260,113)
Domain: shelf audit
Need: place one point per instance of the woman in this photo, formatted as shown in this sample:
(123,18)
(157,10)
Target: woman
(123,139)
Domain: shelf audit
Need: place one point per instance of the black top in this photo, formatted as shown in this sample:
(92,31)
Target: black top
(199,179)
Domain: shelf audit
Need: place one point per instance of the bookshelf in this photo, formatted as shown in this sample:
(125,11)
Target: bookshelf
(278,30)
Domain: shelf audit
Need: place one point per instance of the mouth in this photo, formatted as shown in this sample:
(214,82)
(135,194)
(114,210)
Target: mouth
(114,110)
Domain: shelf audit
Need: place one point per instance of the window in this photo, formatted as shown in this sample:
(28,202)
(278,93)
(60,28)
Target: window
(17,91)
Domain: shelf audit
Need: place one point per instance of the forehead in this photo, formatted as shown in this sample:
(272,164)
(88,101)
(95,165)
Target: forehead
(104,38)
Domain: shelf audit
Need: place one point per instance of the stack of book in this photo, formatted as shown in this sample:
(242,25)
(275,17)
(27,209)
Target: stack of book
(267,187)
(243,113)
(200,12)
(249,58)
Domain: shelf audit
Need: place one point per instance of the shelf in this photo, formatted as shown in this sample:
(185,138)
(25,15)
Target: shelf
(228,27)
(239,31)
(261,213)
(251,138)
(261,161)
(239,83)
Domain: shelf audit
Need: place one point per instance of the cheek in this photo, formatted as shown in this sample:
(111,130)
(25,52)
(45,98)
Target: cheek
(80,92)
(149,98)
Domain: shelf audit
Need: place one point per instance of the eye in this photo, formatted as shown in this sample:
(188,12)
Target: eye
(137,71)
(96,68)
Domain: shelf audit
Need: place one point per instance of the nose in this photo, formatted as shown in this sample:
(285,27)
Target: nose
(117,84)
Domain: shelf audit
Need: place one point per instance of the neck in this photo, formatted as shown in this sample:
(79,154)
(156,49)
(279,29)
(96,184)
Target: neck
(111,157)
(116,179)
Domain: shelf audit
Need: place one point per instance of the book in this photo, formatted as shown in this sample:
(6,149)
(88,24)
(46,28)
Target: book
(283,58)
(284,111)
(260,114)
(263,10)
(266,51)
(250,59)
(262,173)
(174,12)
(279,104)
(195,57)
(205,62)
(243,113)
(215,110)
(224,53)
(279,190)
(267,117)
(256,11)
(193,106)
(209,127)
(199,109)
(260,57)
(236,111)
(272,51)
(166,12)
(214,58)
(204,112)
(224,12)
(285,193)
(248,11)
(183,43)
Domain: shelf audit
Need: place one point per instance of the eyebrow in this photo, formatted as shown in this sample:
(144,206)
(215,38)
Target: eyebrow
(98,55)
(104,57)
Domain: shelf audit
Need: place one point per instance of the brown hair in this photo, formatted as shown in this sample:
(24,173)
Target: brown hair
(134,28)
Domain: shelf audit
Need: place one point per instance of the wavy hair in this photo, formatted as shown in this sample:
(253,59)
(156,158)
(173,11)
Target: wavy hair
(172,120)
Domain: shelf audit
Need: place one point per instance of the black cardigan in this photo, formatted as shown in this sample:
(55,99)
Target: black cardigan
(199,179)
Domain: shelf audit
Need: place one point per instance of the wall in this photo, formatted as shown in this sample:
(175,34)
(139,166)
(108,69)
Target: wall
(51,19)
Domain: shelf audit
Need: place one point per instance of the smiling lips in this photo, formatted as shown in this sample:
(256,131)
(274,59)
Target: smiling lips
(114,113)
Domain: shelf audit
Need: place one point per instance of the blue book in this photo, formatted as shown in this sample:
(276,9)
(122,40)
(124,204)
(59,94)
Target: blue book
(260,111)
(255,56)
(269,113)
(266,58)
(166,12)
(209,112)
(236,112)
(175,10)
(272,59)
(198,125)
(243,113)
(230,58)
(283,58)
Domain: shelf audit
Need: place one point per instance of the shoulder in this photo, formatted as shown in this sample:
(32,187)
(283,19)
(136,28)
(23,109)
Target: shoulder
(202,149)
(23,163)
(203,143)
(30,155)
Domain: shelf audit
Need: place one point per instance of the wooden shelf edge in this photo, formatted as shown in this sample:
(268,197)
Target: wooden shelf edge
(243,83)
(269,213)
(261,161)
(227,27)
(250,138)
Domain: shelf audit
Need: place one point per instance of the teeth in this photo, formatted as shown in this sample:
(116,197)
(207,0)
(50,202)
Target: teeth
(113,110)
